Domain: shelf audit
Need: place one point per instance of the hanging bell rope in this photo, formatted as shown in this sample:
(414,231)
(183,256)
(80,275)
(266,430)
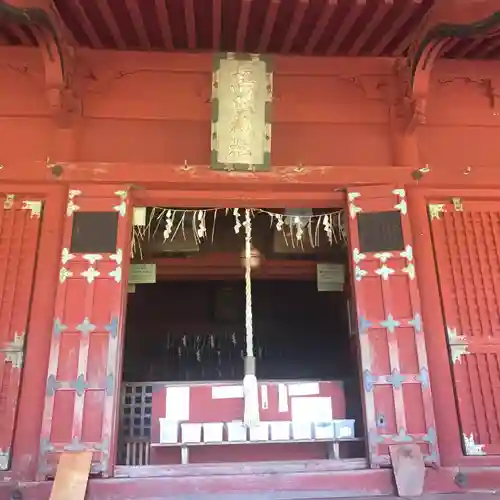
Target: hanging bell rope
(251,416)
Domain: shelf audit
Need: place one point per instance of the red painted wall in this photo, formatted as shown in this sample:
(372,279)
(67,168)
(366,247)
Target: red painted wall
(154,108)
(145,122)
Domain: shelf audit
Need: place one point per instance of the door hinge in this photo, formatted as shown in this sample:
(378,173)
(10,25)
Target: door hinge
(8,201)
(459,345)
(435,210)
(34,206)
(14,351)
(4,459)
(457,204)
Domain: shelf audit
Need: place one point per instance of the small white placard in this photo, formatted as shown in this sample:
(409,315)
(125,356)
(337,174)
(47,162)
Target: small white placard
(131,288)
(260,432)
(304,389)
(141,274)
(227,392)
(301,430)
(236,431)
(177,403)
(309,409)
(264,399)
(280,431)
(212,432)
(344,429)
(282,398)
(324,430)
(139,216)
(191,433)
(330,277)
(169,431)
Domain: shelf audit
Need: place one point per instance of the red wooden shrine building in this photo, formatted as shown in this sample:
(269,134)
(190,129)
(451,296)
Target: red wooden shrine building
(384,109)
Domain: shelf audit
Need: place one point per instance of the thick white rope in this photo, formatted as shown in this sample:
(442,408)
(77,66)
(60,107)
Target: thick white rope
(248,284)
(251,415)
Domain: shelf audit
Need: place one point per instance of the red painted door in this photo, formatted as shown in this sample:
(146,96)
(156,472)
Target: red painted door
(397,394)
(466,238)
(85,357)
(19,231)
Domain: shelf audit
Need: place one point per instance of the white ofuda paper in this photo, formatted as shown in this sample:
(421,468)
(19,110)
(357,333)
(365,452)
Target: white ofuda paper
(304,389)
(264,397)
(227,391)
(177,403)
(282,398)
(311,409)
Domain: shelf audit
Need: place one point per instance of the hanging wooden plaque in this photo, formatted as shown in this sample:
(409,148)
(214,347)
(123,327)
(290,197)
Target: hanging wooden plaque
(242,91)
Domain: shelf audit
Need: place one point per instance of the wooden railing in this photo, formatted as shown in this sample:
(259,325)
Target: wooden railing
(136,452)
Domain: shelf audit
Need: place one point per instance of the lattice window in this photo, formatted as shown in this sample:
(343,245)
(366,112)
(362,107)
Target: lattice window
(135,423)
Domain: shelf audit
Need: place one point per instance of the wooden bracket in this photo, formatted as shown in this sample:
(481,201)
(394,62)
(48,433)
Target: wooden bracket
(444,24)
(43,19)
(410,105)
(492,91)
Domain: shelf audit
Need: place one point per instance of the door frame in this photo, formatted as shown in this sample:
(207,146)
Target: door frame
(236,196)
(26,438)
(446,411)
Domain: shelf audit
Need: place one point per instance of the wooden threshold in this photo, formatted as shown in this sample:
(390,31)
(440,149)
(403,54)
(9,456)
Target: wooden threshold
(245,468)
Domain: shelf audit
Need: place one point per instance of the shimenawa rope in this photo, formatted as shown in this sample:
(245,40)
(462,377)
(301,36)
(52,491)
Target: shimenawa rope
(251,416)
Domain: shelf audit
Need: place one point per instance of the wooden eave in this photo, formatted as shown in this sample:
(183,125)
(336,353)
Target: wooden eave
(299,27)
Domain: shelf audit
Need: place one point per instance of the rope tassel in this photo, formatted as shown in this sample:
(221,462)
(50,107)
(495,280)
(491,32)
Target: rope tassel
(250,387)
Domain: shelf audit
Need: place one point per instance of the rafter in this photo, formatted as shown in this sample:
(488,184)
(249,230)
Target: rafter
(3,38)
(137,21)
(243,24)
(298,17)
(450,46)
(404,15)
(190,23)
(381,11)
(268,25)
(347,24)
(68,34)
(19,33)
(489,50)
(87,26)
(404,43)
(470,47)
(216,24)
(165,26)
(321,25)
(110,21)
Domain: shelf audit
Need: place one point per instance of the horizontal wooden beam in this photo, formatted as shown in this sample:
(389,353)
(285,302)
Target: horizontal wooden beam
(328,179)
(184,62)
(230,265)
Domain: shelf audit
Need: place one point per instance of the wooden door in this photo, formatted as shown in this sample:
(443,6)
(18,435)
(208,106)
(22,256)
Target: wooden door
(397,393)
(466,239)
(19,232)
(81,401)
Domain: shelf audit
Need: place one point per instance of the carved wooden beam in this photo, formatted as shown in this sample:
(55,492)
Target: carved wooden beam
(444,24)
(42,18)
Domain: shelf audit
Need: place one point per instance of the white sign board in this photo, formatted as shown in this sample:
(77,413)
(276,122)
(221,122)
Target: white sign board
(177,403)
(330,277)
(139,216)
(141,274)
